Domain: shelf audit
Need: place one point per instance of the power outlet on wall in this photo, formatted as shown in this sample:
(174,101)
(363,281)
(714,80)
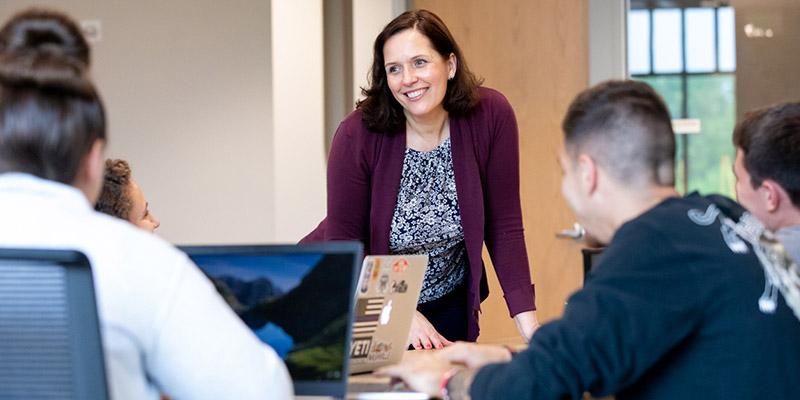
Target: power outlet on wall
(92,30)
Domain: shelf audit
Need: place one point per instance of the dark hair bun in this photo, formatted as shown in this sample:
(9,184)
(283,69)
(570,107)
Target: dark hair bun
(44,49)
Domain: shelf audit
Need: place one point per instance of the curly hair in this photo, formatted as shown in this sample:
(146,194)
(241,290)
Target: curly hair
(380,111)
(115,200)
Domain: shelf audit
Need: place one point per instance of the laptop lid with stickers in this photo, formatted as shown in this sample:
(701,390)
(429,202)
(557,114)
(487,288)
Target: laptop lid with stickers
(388,291)
(298,299)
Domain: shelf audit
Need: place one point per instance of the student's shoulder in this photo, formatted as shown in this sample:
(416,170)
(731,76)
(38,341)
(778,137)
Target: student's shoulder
(132,246)
(678,214)
(653,235)
(673,213)
(686,228)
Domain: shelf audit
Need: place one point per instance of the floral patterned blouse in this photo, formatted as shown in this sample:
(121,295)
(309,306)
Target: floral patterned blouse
(427,219)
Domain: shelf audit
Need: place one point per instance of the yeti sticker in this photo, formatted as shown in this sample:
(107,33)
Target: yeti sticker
(360,347)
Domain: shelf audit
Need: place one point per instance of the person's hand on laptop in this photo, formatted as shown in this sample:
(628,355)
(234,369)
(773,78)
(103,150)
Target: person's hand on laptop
(421,372)
(423,335)
(424,371)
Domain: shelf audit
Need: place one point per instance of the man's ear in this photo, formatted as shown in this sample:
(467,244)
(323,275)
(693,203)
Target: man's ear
(587,173)
(772,194)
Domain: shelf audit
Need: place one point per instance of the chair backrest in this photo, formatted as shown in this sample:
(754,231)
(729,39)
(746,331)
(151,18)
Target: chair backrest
(590,258)
(50,344)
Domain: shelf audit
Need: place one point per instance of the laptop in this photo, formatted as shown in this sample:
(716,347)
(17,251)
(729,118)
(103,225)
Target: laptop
(298,299)
(388,292)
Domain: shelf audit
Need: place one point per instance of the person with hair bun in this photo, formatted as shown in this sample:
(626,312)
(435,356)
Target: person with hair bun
(428,163)
(122,197)
(164,327)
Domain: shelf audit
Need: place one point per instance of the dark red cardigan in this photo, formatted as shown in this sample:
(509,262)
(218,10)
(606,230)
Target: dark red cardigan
(364,171)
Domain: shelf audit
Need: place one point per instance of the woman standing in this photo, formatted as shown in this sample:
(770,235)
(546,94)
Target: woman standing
(428,163)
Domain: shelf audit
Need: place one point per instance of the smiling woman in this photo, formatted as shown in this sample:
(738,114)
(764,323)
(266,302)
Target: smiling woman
(428,163)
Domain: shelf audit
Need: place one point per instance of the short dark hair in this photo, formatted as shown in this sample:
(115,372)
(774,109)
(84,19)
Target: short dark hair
(380,111)
(626,127)
(770,142)
(50,112)
(115,198)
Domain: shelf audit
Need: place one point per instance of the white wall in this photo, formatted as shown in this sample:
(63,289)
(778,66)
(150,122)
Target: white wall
(298,109)
(187,89)
(218,106)
(369,18)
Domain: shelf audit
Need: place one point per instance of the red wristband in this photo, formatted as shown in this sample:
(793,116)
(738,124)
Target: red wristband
(445,379)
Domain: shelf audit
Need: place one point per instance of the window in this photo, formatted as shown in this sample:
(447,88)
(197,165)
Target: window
(688,55)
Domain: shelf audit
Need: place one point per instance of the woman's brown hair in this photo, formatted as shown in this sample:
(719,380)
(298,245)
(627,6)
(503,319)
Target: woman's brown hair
(50,112)
(379,109)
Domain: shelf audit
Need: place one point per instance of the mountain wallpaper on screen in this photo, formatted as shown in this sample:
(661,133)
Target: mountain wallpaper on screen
(314,314)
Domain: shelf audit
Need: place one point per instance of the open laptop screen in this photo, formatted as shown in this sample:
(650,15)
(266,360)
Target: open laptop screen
(296,298)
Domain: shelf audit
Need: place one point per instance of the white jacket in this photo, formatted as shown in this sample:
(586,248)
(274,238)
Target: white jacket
(165,328)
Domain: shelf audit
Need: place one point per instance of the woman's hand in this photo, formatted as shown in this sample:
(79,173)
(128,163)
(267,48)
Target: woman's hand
(423,335)
(527,324)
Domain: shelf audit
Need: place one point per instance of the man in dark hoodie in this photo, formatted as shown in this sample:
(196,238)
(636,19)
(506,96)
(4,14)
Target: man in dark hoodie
(676,306)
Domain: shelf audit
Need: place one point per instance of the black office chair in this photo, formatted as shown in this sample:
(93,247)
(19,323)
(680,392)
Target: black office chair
(590,258)
(50,345)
